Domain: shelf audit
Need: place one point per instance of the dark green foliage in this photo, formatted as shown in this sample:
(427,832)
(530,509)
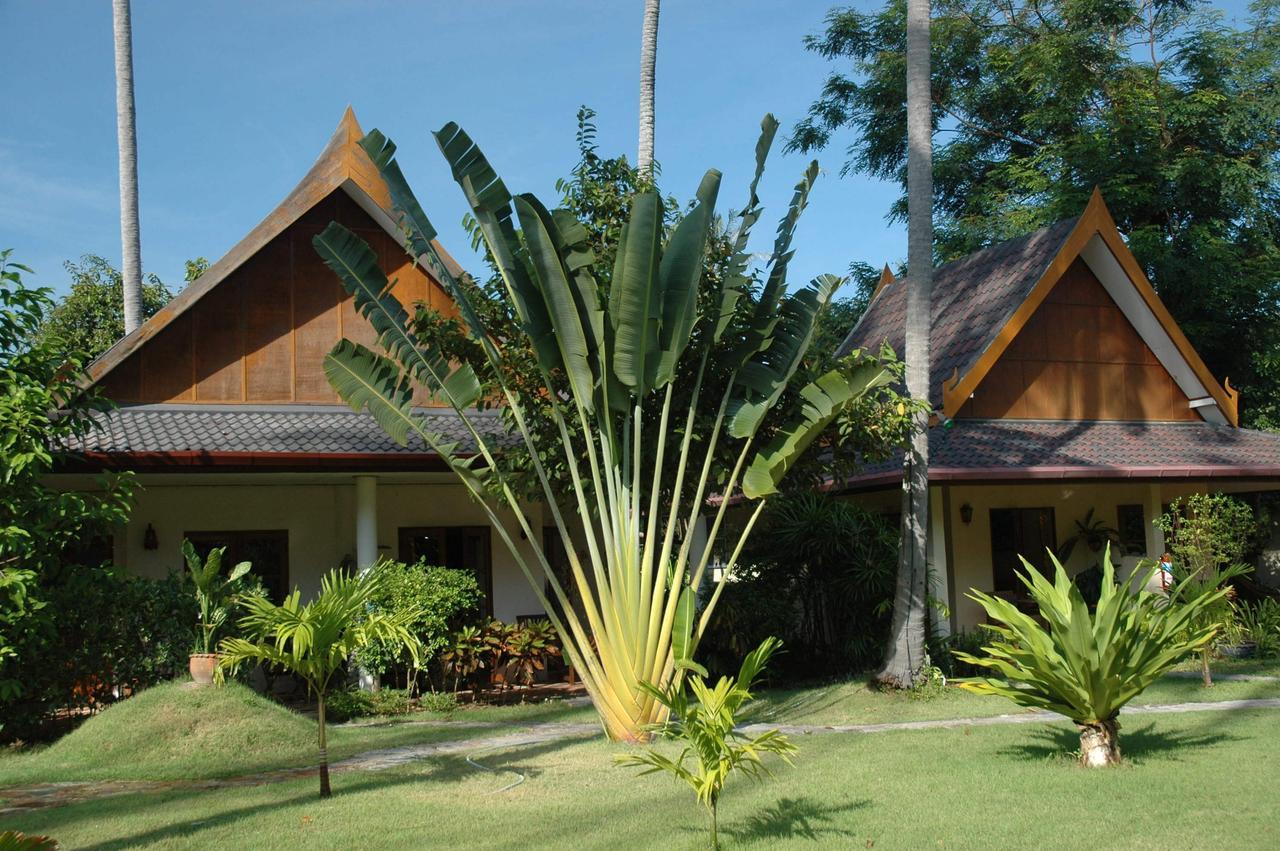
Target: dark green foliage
(344,705)
(41,406)
(90,318)
(1163,106)
(819,573)
(102,634)
(444,600)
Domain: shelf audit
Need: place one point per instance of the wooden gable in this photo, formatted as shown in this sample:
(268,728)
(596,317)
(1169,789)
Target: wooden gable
(1078,358)
(256,326)
(260,336)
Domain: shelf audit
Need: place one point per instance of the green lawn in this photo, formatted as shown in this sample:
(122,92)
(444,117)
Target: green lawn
(1207,780)
(1192,780)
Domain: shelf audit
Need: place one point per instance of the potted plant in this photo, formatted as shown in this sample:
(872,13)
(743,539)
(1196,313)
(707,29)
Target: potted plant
(1095,534)
(212,595)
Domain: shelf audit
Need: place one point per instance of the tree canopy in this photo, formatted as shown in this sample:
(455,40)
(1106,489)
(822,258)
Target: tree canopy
(1168,109)
(90,318)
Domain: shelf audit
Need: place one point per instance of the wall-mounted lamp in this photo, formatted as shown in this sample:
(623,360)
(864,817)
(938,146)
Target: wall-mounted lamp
(966,514)
(149,539)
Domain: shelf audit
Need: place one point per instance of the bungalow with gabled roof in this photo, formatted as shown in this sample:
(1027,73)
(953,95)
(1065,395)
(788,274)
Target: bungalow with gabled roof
(237,438)
(1064,393)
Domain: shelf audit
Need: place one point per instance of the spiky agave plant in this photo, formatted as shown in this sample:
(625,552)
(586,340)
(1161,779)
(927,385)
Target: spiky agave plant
(607,360)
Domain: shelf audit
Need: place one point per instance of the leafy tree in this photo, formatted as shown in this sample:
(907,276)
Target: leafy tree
(90,318)
(1208,536)
(1086,664)
(314,641)
(1160,103)
(612,344)
(704,719)
(42,408)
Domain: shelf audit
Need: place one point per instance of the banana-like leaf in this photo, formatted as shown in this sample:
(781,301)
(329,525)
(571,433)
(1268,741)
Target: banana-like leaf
(491,205)
(679,275)
(357,268)
(823,400)
(763,379)
(737,281)
(422,234)
(368,381)
(574,332)
(634,305)
(758,334)
(682,629)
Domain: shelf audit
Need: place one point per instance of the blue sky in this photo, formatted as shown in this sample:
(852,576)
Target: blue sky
(236,99)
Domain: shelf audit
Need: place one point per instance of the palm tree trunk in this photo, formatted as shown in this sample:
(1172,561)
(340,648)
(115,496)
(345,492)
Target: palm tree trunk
(325,791)
(1100,743)
(127,142)
(905,654)
(1205,674)
(648,63)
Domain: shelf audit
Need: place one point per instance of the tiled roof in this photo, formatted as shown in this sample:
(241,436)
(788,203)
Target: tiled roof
(248,429)
(1042,449)
(973,297)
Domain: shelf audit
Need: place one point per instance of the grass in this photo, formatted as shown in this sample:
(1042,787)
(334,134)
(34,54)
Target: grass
(1193,780)
(176,732)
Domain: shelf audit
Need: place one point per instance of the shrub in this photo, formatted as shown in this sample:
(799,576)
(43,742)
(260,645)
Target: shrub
(819,574)
(1086,665)
(443,702)
(344,705)
(442,597)
(102,633)
(1260,623)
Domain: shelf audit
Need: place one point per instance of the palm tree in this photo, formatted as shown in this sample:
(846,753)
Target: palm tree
(648,63)
(314,641)
(905,654)
(126,139)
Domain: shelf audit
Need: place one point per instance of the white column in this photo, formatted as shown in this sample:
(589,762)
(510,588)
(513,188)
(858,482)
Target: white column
(939,584)
(366,521)
(367,545)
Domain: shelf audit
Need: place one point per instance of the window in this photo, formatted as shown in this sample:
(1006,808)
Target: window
(458,547)
(1131,523)
(267,550)
(1026,532)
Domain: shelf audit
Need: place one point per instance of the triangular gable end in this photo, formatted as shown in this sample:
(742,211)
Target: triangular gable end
(1096,242)
(342,165)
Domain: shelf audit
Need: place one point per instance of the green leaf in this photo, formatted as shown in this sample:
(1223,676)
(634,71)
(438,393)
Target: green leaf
(822,401)
(356,266)
(634,307)
(682,629)
(679,276)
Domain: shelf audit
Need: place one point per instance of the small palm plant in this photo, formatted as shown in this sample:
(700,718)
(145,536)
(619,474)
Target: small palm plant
(1087,666)
(314,641)
(713,749)
(213,591)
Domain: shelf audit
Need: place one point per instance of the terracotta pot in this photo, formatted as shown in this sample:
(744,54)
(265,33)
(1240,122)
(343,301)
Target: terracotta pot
(201,666)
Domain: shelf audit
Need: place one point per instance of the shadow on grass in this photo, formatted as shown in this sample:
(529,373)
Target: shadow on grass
(784,705)
(442,769)
(795,818)
(1138,739)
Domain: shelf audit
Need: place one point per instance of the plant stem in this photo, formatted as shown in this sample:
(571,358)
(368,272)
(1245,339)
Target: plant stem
(715,834)
(325,791)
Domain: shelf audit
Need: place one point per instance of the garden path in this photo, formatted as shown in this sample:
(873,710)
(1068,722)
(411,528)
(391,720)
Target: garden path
(40,796)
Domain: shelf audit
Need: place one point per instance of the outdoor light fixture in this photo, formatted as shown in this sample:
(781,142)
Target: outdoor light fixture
(966,514)
(149,540)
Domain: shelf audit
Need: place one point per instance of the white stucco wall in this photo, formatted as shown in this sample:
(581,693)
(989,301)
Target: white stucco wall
(319,513)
